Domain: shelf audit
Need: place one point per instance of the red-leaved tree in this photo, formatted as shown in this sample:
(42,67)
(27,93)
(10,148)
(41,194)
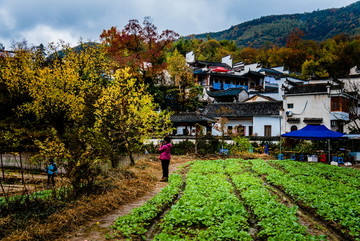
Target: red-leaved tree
(139,47)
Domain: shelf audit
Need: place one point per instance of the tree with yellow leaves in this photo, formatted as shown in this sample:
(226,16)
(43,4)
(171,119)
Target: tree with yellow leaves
(188,91)
(126,114)
(59,96)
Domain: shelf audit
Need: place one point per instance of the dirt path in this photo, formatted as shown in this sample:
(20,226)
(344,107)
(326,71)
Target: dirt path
(97,229)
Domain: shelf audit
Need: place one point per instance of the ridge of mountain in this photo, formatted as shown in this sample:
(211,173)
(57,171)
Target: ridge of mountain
(318,25)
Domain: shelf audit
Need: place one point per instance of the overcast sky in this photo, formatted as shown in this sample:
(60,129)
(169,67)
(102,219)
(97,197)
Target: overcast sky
(40,21)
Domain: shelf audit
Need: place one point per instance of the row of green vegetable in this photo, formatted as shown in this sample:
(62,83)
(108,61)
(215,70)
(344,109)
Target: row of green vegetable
(208,209)
(332,200)
(135,224)
(345,175)
(277,221)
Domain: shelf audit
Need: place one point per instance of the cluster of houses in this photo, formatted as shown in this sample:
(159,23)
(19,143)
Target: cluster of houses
(263,103)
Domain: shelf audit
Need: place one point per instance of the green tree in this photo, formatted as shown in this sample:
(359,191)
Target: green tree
(207,51)
(312,68)
(182,75)
(241,144)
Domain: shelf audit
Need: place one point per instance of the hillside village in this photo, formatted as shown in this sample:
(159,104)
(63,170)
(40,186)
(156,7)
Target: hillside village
(263,103)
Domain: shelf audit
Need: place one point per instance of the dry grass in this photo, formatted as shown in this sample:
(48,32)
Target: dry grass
(126,185)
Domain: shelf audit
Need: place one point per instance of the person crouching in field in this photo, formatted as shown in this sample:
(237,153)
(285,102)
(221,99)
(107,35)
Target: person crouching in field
(51,171)
(165,156)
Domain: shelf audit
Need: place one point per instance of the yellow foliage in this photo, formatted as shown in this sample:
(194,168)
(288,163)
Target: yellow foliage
(126,112)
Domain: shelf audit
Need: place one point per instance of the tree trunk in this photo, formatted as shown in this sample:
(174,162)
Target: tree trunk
(22,170)
(132,161)
(114,160)
(130,153)
(2,166)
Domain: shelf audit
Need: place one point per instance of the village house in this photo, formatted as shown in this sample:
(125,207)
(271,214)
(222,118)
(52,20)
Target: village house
(319,102)
(190,123)
(248,118)
(233,92)
(263,103)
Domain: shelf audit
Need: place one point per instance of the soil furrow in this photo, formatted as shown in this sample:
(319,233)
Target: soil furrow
(308,217)
(155,227)
(253,227)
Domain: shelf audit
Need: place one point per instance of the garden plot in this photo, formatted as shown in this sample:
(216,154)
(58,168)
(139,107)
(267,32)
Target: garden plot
(248,200)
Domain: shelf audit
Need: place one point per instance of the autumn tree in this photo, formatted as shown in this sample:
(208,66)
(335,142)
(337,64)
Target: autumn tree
(183,78)
(294,39)
(246,55)
(139,47)
(17,69)
(16,74)
(126,114)
(60,96)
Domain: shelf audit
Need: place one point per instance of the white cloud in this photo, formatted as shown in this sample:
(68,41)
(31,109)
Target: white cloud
(6,20)
(40,21)
(45,34)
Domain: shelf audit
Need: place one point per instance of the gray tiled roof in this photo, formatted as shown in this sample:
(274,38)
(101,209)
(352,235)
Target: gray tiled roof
(260,108)
(308,88)
(228,92)
(189,117)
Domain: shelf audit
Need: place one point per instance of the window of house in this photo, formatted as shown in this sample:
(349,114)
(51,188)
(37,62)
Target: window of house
(229,130)
(267,130)
(290,106)
(251,131)
(335,104)
(293,128)
(339,103)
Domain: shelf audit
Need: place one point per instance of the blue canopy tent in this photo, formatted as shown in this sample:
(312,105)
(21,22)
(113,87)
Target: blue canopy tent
(311,132)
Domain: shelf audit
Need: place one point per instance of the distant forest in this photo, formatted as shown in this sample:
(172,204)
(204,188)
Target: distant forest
(273,30)
(331,58)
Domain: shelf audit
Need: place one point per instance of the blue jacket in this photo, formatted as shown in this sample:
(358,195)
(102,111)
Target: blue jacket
(51,169)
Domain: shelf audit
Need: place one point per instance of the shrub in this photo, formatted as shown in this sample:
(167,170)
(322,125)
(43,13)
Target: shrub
(208,145)
(183,148)
(242,144)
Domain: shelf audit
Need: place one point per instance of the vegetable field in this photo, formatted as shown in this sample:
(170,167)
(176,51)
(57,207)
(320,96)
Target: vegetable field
(250,200)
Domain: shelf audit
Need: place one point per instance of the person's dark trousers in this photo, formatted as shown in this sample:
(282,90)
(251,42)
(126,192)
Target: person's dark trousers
(165,167)
(51,179)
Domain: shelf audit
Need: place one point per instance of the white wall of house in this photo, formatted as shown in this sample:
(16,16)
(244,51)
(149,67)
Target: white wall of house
(234,124)
(180,130)
(260,123)
(306,106)
(227,60)
(190,57)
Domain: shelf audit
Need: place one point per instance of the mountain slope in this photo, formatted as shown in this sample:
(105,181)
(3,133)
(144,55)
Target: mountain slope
(317,25)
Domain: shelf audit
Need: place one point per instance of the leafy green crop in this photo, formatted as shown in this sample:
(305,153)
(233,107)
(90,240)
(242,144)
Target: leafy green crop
(208,209)
(212,205)
(135,224)
(332,200)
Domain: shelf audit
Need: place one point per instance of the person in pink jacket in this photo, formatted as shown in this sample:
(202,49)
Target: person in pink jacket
(165,156)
